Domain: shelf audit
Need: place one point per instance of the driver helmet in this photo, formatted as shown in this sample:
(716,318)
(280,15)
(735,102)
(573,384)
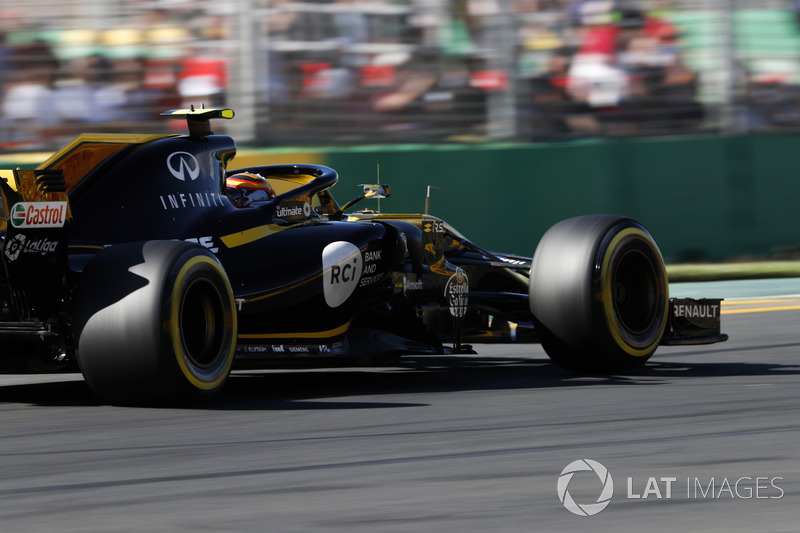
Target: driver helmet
(246,189)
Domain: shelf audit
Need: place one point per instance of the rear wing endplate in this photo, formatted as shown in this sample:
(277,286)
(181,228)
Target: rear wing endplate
(36,219)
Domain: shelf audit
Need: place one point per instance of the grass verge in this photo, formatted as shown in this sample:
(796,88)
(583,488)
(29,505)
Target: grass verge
(732,271)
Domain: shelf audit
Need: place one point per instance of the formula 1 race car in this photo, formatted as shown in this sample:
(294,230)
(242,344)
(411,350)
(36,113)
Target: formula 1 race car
(147,264)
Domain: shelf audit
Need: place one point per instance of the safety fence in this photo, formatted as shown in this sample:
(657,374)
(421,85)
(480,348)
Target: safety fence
(344,72)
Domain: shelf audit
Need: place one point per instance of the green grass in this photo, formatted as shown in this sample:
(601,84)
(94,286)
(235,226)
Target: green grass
(731,271)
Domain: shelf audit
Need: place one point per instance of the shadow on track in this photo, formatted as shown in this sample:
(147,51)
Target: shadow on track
(283,390)
(55,393)
(286,390)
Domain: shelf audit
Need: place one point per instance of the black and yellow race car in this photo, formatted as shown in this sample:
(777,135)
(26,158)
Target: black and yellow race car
(146,263)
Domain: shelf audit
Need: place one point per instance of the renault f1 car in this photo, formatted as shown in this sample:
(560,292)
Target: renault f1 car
(148,264)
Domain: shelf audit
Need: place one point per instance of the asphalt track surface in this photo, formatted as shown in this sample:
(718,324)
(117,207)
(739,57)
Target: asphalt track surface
(461,444)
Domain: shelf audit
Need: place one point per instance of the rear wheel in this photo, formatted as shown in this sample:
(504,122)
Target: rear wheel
(155,321)
(599,293)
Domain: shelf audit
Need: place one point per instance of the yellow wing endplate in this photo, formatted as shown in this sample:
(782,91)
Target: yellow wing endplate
(8,175)
(44,197)
(199,120)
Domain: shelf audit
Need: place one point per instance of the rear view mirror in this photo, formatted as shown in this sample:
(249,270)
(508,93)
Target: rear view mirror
(377,191)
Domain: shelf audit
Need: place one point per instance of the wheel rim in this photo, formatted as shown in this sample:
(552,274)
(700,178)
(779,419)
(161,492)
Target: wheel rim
(202,325)
(635,293)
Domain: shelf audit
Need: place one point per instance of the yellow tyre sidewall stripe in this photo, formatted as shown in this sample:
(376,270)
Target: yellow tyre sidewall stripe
(606,291)
(177,343)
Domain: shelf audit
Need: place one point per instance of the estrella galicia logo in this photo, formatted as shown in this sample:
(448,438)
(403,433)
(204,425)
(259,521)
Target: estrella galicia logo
(183,165)
(586,509)
(457,293)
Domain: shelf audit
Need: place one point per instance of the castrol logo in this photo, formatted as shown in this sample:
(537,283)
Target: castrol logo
(39,214)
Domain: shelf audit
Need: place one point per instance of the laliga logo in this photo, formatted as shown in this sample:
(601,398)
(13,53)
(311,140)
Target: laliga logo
(14,248)
(589,466)
(183,164)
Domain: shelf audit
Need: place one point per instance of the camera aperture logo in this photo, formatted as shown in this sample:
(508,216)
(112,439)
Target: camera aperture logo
(595,469)
(742,487)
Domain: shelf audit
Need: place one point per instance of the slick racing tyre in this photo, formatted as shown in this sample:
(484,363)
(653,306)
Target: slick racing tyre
(155,321)
(598,293)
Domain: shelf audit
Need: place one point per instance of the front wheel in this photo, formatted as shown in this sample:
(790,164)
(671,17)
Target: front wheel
(599,293)
(155,321)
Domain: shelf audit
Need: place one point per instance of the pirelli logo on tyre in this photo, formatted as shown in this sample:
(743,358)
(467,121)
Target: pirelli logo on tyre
(39,214)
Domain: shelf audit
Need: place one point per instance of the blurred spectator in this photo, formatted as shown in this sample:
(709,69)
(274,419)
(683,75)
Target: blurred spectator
(351,24)
(6,61)
(203,80)
(415,77)
(595,80)
(551,107)
(144,101)
(663,89)
(630,73)
(771,104)
(333,70)
(28,112)
(88,94)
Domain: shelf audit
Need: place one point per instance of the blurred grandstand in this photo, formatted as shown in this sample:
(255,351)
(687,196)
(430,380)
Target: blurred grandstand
(335,72)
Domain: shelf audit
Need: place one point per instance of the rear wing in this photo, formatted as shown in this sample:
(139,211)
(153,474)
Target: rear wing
(35,218)
(44,188)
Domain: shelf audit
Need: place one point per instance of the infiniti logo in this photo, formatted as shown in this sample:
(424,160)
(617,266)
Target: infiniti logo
(182,164)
